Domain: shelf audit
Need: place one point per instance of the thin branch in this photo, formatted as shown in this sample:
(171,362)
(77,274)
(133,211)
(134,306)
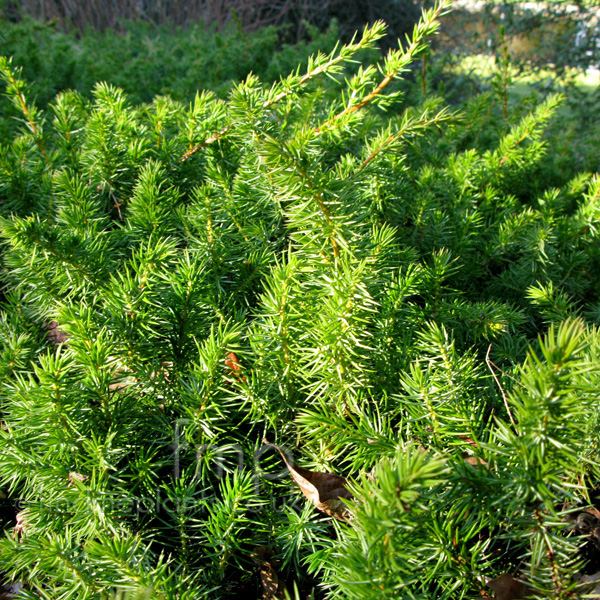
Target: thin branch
(322,207)
(117,204)
(22,103)
(411,126)
(206,142)
(489,364)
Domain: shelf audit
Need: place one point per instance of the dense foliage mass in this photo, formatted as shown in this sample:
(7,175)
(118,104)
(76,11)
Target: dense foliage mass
(337,263)
(146,60)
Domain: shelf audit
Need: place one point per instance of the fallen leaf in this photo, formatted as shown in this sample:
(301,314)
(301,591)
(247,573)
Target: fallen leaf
(324,490)
(593,511)
(233,366)
(20,529)
(74,476)
(588,523)
(273,588)
(506,587)
(593,587)
(469,440)
(11,590)
(475,461)
(54,334)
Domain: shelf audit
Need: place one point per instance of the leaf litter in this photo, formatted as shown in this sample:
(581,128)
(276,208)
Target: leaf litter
(325,490)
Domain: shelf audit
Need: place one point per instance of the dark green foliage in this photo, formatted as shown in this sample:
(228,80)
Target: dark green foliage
(147,60)
(356,277)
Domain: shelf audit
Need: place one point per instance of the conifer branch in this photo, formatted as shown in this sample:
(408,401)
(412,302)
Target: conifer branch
(410,126)
(360,276)
(369,37)
(317,66)
(15,92)
(397,61)
(317,194)
(323,208)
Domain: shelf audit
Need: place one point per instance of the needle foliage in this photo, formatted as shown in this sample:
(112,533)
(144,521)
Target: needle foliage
(386,287)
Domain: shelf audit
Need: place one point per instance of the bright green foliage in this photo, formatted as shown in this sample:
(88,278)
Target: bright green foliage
(380,271)
(430,527)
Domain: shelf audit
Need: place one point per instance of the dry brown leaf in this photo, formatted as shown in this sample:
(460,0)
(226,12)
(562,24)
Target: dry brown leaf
(506,587)
(593,585)
(233,366)
(54,334)
(467,439)
(588,523)
(273,588)
(74,476)
(20,529)
(475,461)
(324,490)
(593,511)
(11,590)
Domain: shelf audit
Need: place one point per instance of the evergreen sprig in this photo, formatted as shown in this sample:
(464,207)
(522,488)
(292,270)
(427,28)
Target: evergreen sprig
(364,287)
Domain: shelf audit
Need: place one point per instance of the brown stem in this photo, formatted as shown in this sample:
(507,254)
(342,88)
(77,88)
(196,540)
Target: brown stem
(489,364)
(206,142)
(117,205)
